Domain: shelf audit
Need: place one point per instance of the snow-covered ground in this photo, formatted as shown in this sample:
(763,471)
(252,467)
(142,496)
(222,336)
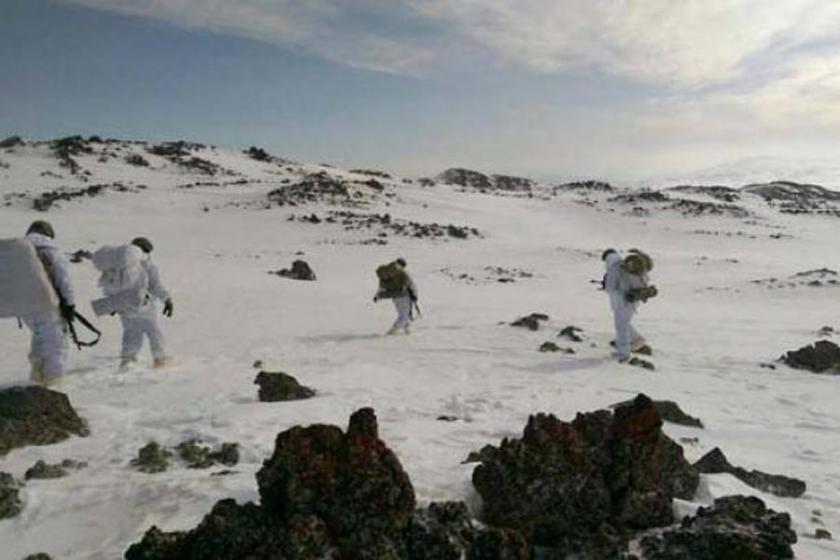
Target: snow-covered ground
(711,328)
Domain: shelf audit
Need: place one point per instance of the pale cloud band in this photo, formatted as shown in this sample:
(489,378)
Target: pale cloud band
(725,67)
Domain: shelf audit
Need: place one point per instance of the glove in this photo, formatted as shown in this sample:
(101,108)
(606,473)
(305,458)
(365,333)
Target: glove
(68,312)
(168,308)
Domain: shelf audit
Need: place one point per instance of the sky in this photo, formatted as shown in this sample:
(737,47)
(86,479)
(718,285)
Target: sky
(542,88)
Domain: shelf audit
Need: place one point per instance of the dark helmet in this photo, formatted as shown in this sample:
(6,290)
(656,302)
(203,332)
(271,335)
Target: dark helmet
(143,243)
(41,227)
(401,261)
(607,253)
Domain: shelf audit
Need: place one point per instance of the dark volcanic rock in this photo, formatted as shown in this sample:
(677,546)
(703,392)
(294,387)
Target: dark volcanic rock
(11,142)
(584,487)
(300,271)
(136,160)
(258,154)
(715,462)
(797,198)
(315,187)
(350,480)
(586,186)
(549,346)
(531,321)
(736,528)
(480,181)
(279,386)
(10,504)
(821,357)
(41,470)
(571,333)
(327,493)
(200,456)
(233,532)
(719,192)
(151,458)
(671,412)
(36,416)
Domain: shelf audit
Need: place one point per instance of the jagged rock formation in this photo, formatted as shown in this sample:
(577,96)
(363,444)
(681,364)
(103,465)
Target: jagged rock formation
(583,487)
(715,462)
(329,493)
(36,416)
(671,412)
(735,528)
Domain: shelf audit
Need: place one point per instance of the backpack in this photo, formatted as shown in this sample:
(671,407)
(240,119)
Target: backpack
(25,286)
(393,280)
(639,264)
(121,269)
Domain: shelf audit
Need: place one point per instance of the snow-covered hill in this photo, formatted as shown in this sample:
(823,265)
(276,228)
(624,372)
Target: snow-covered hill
(221,220)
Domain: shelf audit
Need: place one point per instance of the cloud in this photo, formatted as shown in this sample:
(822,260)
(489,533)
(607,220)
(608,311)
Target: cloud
(332,29)
(687,43)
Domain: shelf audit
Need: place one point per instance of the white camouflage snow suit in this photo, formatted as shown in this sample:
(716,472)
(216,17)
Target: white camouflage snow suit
(618,283)
(402,304)
(142,321)
(48,351)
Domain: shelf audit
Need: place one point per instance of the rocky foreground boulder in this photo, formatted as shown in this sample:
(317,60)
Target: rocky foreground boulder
(327,493)
(735,528)
(821,357)
(36,416)
(585,487)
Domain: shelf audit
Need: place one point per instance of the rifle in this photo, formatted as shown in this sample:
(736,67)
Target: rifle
(85,323)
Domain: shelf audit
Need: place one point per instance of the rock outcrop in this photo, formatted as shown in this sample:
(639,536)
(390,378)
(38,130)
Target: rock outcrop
(279,386)
(821,357)
(735,528)
(715,462)
(36,416)
(10,504)
(583,487)
(327,493)
(531,322)
(300,271)
(671,412)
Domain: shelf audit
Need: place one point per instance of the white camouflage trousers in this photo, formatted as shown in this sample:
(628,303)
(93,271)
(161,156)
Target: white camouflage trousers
(138,325)
(403,307)
(48,351)
(625,333)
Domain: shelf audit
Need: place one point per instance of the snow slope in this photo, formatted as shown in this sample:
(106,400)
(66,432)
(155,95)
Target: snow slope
(711,327)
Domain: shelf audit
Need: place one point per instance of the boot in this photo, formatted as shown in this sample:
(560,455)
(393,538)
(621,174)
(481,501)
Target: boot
(36,370)
(127,363)
(47,381)
(163,362)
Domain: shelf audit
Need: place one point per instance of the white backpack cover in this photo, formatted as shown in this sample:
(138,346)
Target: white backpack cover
(123,279)
(121,268)
(25,288)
